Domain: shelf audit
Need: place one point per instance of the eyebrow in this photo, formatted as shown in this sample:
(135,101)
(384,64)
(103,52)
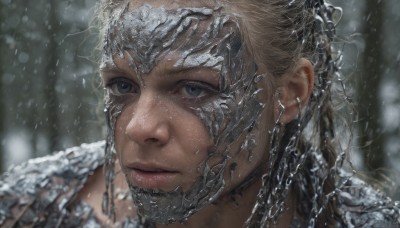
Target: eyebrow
(111,66)
(164,69)
(182,69)
(175,70)
(107,66)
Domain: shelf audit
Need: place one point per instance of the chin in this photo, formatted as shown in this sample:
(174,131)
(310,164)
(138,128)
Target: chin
(177,206)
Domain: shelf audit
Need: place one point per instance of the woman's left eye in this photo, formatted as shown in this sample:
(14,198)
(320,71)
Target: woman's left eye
(195,90)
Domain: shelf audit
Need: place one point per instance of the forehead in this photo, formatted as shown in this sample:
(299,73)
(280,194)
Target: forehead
(150,32)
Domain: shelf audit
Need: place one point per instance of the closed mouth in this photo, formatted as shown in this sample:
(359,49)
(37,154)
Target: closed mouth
(149,168)
(151,177)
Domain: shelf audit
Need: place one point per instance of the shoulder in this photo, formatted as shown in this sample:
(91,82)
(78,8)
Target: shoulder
(39,191)
(360,205)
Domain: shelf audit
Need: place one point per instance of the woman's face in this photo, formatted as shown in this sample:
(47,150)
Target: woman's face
(189,110)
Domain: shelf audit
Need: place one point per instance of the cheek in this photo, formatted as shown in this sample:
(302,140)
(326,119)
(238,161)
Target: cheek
(249,156)
(122,142)
(244,136)
(119,131)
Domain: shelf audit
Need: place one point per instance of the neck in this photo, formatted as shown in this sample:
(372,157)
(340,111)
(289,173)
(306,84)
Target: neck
(232,211)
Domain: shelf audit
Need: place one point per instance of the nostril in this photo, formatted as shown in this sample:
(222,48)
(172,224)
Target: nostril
(152,140)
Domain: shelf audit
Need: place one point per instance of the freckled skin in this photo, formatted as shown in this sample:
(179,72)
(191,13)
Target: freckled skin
(214,143)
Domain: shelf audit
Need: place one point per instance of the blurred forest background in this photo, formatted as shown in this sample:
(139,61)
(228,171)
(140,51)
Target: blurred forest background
(51,97)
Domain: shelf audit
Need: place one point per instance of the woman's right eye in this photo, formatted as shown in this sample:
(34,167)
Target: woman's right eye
(121,86)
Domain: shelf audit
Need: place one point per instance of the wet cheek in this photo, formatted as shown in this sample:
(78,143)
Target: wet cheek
(118,136)
(249,154)
(193,138)
(121,123)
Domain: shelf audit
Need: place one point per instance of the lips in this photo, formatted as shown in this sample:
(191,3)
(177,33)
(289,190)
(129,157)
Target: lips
(150,176)
(149,167)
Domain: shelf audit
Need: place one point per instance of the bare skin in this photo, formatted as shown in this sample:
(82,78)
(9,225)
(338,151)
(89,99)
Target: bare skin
(149,133)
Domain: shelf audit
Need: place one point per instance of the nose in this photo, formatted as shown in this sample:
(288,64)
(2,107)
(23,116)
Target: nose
(148,124)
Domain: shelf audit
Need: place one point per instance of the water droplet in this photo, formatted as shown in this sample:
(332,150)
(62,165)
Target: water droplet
(23,57)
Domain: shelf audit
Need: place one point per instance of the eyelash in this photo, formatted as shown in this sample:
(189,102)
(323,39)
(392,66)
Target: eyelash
(206,89)
(112,85)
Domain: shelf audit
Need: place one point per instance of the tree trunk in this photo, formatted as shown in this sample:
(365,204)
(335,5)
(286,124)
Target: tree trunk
(2,116)
(369,81)
(50,93)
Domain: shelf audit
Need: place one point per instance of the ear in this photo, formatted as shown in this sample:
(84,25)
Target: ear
(294,90)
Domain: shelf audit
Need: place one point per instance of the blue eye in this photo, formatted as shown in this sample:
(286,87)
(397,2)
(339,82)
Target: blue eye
(196,90)
(193,90)
(123,87)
